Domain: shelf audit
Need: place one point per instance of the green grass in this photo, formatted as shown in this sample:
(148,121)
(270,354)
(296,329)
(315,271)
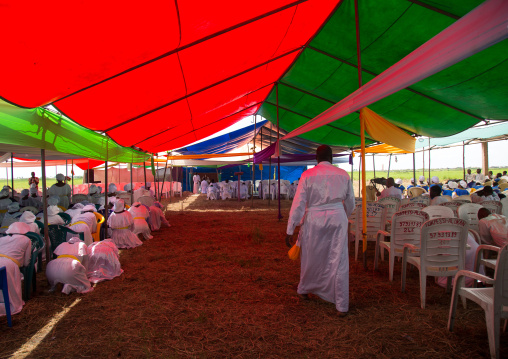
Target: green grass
(443,174)
(21,183)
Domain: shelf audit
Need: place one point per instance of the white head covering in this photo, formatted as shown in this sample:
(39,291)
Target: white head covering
(453,185)
(127,187)
(148,185)
(18,228)
(412,180)
(60,177)
(27,217)
(74,240)
(99,189)
(93,189)
(53,201)
(421,178)
(25,192)
(6,188)
(398,181)
(89,207)
(33,188)
(13,207)
(78,206)
(4,193)
(463,184)
(53,210)
(112,188)
(119,205)
(435,179)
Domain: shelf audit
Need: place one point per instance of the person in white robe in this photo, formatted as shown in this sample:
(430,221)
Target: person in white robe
(15,252)
(121,224)
(211,191)
(493,228)
(11,216)
(35,193)
(62,190)
(197,180)
(148,187)
(27,201)
(204,186)
(69,267)
(227,191)
(479,177)
(53,217)
(75,210)
(157,217)
(435,196)
(484,194)
(390,190)
(4,202)
(85,223)
(244,191)
(323,201)
(103,261)
(29,218)
(140,192)
(140,215)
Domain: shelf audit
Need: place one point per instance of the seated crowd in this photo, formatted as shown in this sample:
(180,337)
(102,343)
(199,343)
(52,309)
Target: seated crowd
(76,263)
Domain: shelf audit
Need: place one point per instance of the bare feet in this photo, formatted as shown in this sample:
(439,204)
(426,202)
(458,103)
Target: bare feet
(342,314)
(304,296)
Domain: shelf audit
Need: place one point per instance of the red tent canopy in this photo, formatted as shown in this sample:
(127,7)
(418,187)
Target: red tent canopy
(156,75)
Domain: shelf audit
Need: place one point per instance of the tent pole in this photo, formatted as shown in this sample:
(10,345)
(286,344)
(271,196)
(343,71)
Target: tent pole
(106,203)
(45,205)
(253,165)
(164,179)
(423,162)
(389,164)
(66,171)
(260,190)
(464,160)
(429,157)
(144,171)
(12,175)
(414,168)
(278,154)
(374,165)
(132,192)
(362,133)
(72,178)
(352,166)
(88,176)
(270,170)
(360,176)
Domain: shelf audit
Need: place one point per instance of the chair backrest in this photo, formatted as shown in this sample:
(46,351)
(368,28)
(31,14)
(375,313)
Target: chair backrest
(501,277)
(413,205)
(416,192)
(29,208)
(79,198)
(404,201)
(66,217)
(391,204)
(58,235)
(469,213)
(439,212)
(100,220)
(376,218)
(504,202)
(463,198)
(371,193)
(493,206)
(503,186)
(449,198)
(454,206)
(443,246)
(125,197)
(406,226)
(40,225)
(421,199)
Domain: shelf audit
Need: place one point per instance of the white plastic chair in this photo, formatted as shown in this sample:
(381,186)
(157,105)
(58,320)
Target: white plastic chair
(454,206)
(376,219)
(392,205)
(404,201)
(493,206)
(487,262)
(469,213)
(406,227)
(442,251)
(504,202)
(146,200)
(421,199)
(413,205)
(439,212)
(465,198)
(126,197)
(449,198)
(493,300)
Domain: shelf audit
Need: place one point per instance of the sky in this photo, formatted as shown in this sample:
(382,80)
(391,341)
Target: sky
(442,158)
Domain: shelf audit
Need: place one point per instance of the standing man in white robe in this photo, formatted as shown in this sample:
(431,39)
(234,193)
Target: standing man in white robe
(323,201)
(197,180)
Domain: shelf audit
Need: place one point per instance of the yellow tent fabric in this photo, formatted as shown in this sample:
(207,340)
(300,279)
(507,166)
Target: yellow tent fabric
(383,131)
(383,148)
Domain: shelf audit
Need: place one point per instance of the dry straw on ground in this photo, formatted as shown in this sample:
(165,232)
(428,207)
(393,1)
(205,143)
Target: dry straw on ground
(218,283)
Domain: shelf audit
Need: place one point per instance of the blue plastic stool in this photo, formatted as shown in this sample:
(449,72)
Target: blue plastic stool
(5,291)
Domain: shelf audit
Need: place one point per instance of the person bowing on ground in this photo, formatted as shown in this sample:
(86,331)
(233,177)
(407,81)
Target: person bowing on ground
(85,222)
(323,201)
(121,224)
(157,217)
(140,215)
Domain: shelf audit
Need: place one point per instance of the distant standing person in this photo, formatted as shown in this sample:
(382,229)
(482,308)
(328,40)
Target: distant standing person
(197,180)
(34,180)
(324,199)
(480,177)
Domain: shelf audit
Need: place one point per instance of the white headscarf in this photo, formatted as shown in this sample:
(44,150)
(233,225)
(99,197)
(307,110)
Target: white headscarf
(4,193)
(89,207)
(27,217)
(18,228)
(127,187)
(60,177)
(53,210)
(13,207)
(398,181)
(93,189)
(53,201)
(112,188)
(435,179)
(119,205)
(463,184)
(453,185)
(421,178)
(25,192)
(33,188)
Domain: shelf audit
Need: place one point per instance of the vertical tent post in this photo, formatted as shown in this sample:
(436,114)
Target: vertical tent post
(253,164)
(464,159)
(362,133)
(132,192)
(45,205)
(164,179)
(12,175)
(360,176)
(485,157)
(374,165)
(414,168)
(144,171)
(66,171)
(270,170)
(389,164)
(278,153)
(260,190)
(429,157)
(72,178)
(423,162)
(156,177)
(106,204)
(119,174)
(88,176)
(352,158)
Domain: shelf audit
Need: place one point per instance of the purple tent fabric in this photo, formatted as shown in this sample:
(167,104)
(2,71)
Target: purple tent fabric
(264,155)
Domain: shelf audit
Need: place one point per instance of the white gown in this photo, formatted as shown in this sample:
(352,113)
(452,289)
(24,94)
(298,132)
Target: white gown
(196,179)
(226,191)
(63,192)
(18,247)
(121,225)
(211,192)
(323,201)
(140,215)
(84,223)
(103,261)
(157,218)
(204,186)
(69,271)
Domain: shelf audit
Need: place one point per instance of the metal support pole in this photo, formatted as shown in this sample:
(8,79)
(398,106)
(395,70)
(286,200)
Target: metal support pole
(88,176)
(106,204)
(253,164)
(12,175)
(278,143)
(164,179)
(389,164)
(414,168)
(464,160)
(132,192)
(45,205)
(72,178)
(352,172)
(144,171)
(270,171)
(429,157)
(374,165)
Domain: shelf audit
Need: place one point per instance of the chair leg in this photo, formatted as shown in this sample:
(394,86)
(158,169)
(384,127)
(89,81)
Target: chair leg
(493,327)
(391,266)
(356,248)
(423,289)
(453,308)
(5,291)
(376,256)
(403,280)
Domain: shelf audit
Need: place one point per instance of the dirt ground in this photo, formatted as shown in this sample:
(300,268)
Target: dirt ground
(219,284)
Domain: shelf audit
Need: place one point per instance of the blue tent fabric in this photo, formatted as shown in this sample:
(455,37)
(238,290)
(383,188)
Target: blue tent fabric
(224,143)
